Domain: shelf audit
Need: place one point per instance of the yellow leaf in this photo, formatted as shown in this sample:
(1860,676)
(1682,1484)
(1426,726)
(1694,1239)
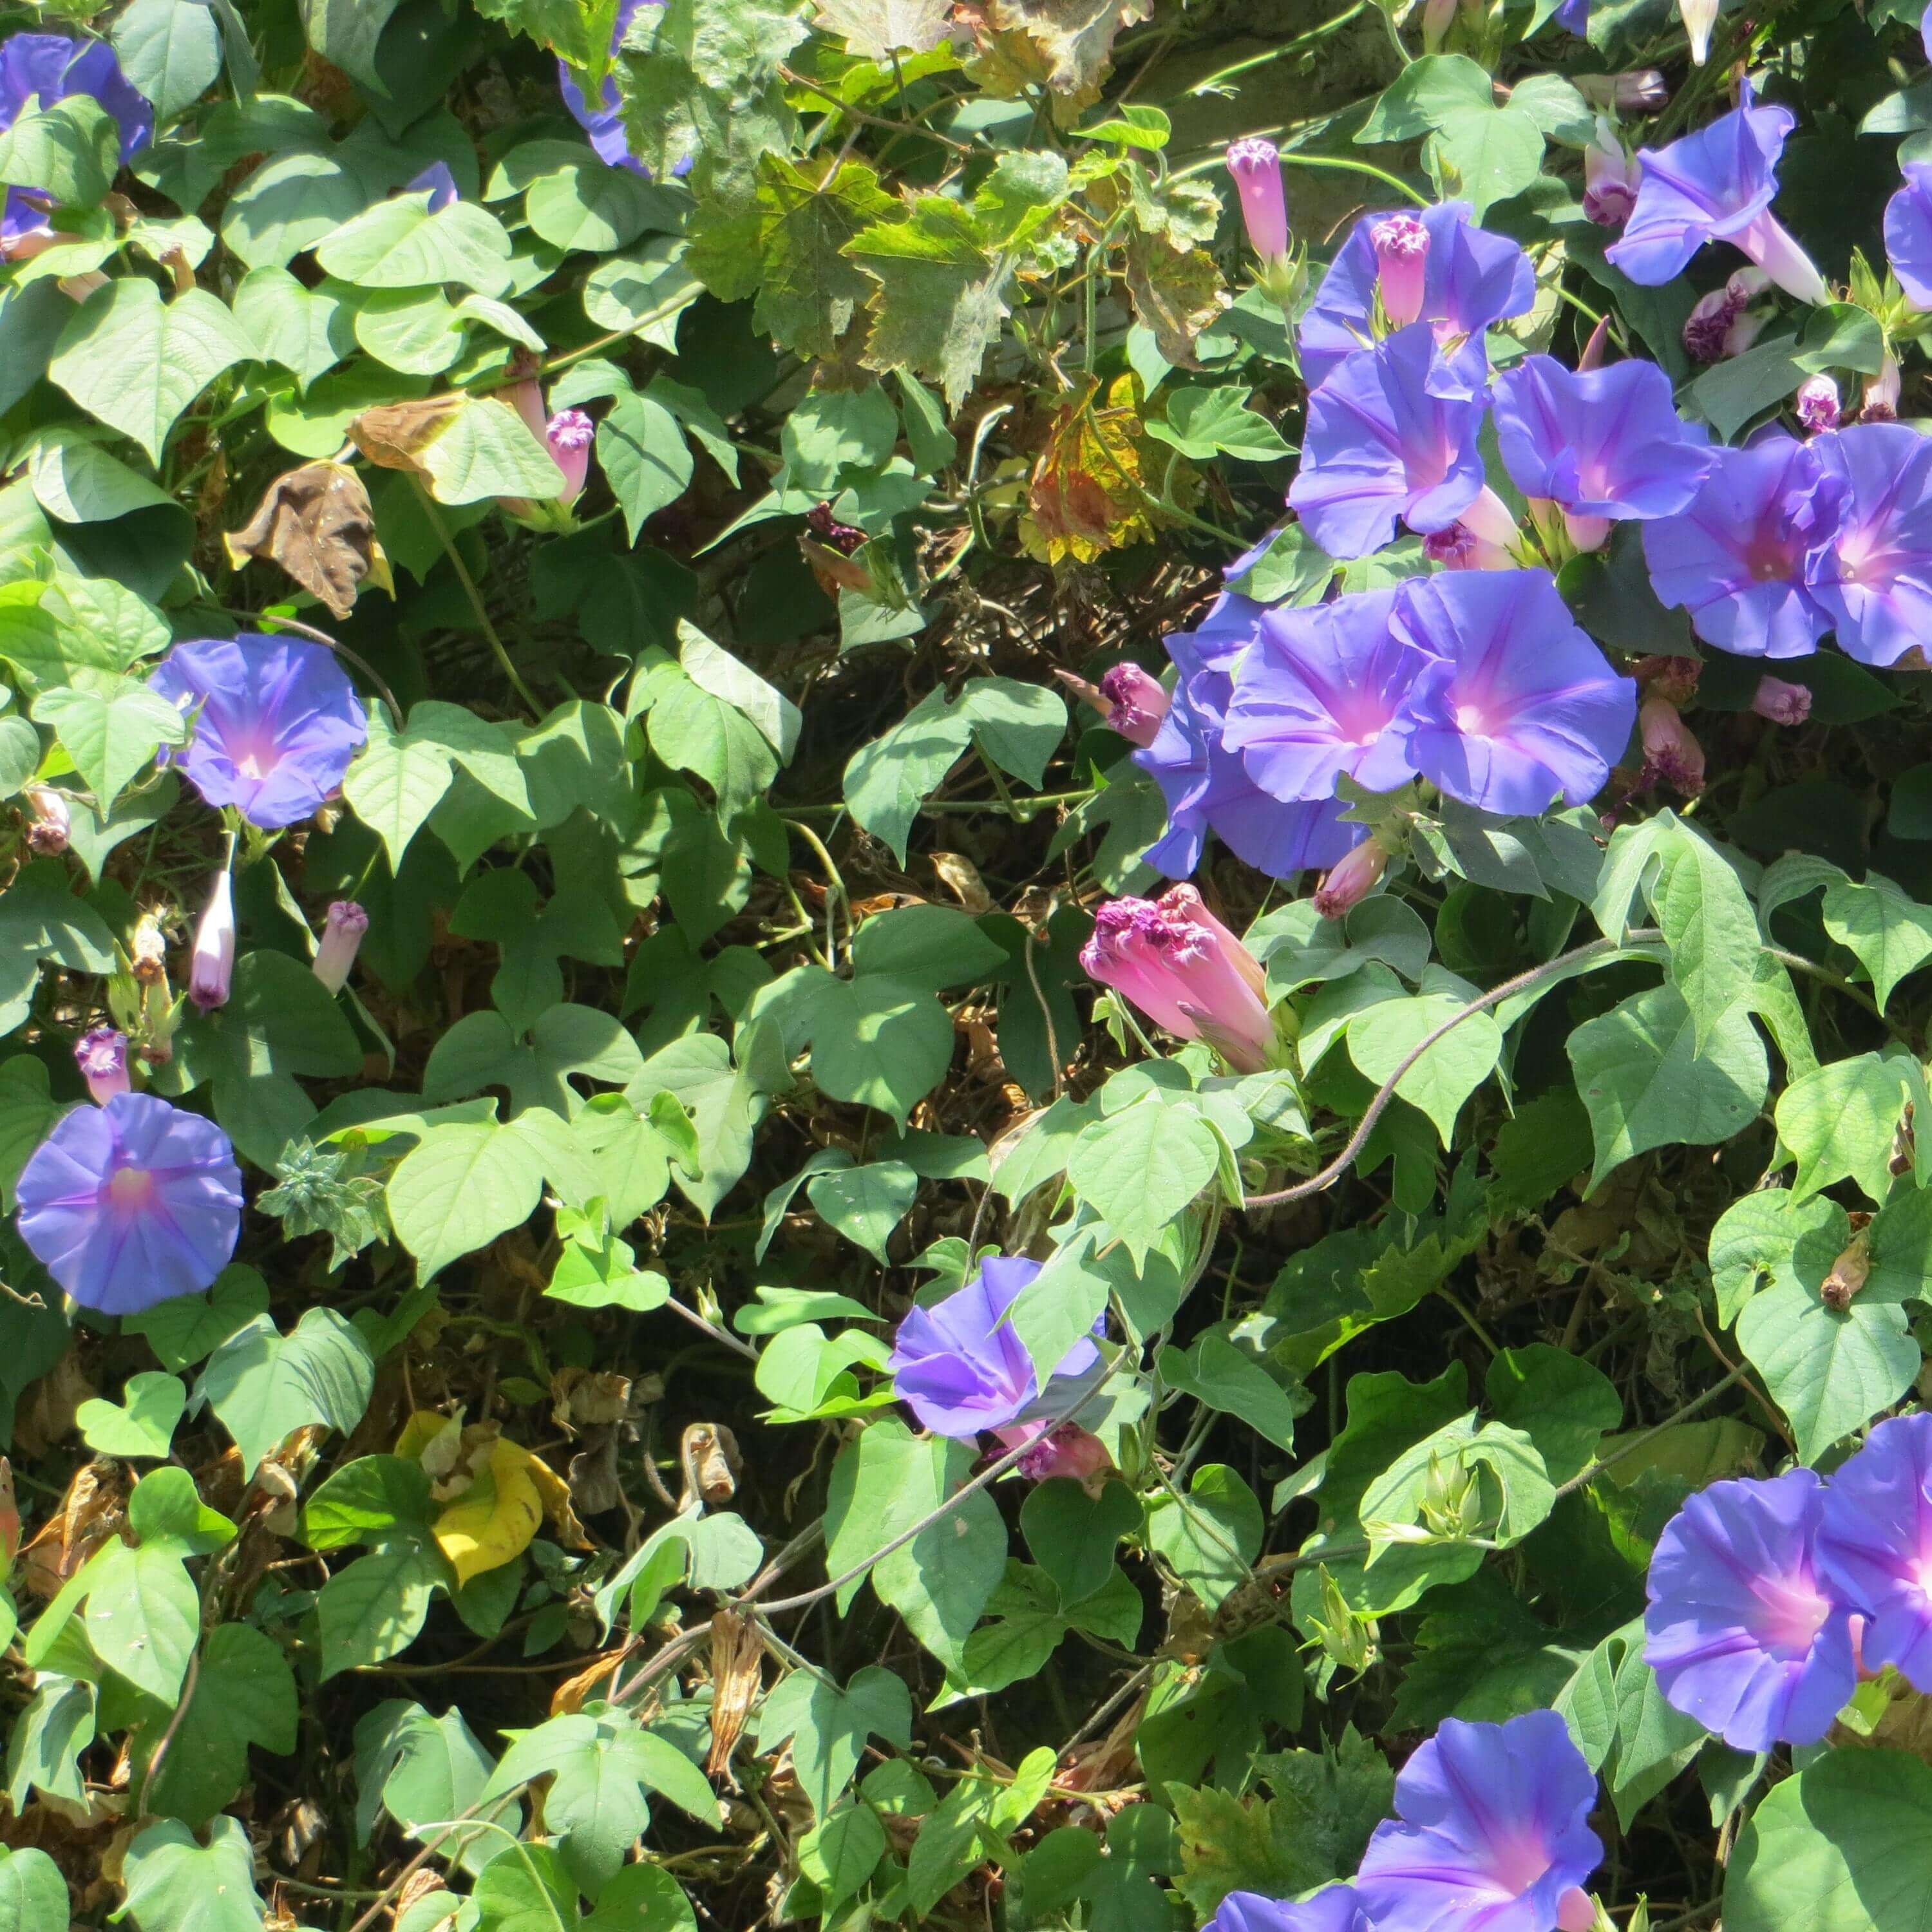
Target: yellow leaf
(493,1523)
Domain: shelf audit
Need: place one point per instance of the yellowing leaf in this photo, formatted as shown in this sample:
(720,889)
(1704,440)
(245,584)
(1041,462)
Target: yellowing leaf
(492,1524)
(1085,498)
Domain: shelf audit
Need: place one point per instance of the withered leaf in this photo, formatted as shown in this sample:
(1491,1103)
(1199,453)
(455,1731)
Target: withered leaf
(316,524)
(877,29)
(1075,37)
(737,1659)
(1178,292)
(393,435)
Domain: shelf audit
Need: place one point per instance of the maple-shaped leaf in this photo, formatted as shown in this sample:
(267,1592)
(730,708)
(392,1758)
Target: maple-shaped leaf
(1086,496)
(875,30)
(938,305)
(1074,38)
(1178,292)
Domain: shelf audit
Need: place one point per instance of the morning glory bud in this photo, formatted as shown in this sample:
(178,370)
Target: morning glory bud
(341,938)
(211,967)
(1402,260)
(1255,166)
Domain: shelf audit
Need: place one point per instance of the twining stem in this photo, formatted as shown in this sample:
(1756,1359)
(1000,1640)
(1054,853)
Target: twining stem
(475,596)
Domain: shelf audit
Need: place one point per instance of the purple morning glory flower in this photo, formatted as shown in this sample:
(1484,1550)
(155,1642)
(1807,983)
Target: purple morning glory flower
(960,1368)
(604,123)
(1493,1835)
(1206,785)
(1716,185)
(1908,232)
(1736,558)
(1740,1631)
(1574,17)
(439,183)
(1469,278)
(1607,442)
(276,723)
(51,67)
(1874,1546)
(1517,706)
(1872,574)
(1336,1908)
(1319,696)
(130,1203)
(1379,447)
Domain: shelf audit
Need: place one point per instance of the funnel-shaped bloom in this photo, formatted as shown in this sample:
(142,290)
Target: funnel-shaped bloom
(1319,696)
(49,67)
(1740,1631)
(1716,185)
(1185,970)
(1607,443)
(1206,785)
(276,723)
(1460,279)
(132,1202)
(1380,448)
(1255,166)
(960,1368)
(1873,574)
(1736,558)
(604,122)
(1336,1908)
(1493,1835)
(1908,233)
(1874,1550)
(1518,706)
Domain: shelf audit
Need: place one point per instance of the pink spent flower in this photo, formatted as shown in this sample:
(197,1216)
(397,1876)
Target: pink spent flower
(1781,702)
(102,1057)
(211,967)
(341,938)
(52,820)
(1136,703)
(1672,755)
(568,435)
(1817,404)
(1068,1451)
(1351,881)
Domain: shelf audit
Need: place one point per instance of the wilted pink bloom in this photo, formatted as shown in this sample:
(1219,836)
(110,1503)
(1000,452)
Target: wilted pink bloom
(211,968)
(102,1057)
(1483,537)
(1723,323)
(1352,880)
(1817,403)
(1185,970)
(340,938)
(568,436)
(1671,754)
(1068,1450)
(1881,399)
(1255,165)
(1135,702)
(48,828)
(1782,702)
(1402,260)
(1643,91)
(1610,173)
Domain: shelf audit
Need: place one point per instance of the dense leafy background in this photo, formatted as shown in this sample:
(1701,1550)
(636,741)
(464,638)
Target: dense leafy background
(517,1499)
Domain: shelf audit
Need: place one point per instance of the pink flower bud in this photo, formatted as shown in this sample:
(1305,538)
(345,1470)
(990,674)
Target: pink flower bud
(48,828)
(1881,397)
(1187,971)
(568,435)
(1484,537)
(1351,882)
(212,966)
(1610,174)
(102,1057)
(527,398)
(1574,1911)
(1135,703)
(1068,1451)
(1255,165)
(1592,357)
(1401,257)
(1672,755)
(1782,702)
(341,938)
(1438,15)
(1817,404)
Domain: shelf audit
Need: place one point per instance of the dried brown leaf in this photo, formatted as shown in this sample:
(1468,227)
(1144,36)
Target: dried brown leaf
(1075,37)
(316,524)
(737,1659)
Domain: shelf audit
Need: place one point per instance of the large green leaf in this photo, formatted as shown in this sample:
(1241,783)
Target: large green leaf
(175,1885)
(263,1385)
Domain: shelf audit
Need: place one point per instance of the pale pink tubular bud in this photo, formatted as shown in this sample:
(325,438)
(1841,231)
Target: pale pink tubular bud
(52,821)
(568,435)
(1881,397)
(1700,17)
(1642,90)
(527,398)
(1351,881)
(1484,538)
(1121,956)
(211,967)
(1781,702)
(1586,533)
(1068,1451)
(1437,16)
(102,1057)
(1182,902)
(1671,754)
(1592,357)
(1135,703)
(1817,404)
(1745,329)
(1772,247)
(341,938)
(1401,257)
(1610,173)
(1574,1911)
(1255,165)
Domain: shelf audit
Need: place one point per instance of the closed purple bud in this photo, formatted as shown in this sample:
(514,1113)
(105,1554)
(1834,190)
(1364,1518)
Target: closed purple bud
(568,435)
(102,1057)
(340,939)
(1255,165)
(211,968)
(48,828)
(1351,881)
(1401,261)
(1671,754)
(1818,404)
(1782,702)
(1135,703)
